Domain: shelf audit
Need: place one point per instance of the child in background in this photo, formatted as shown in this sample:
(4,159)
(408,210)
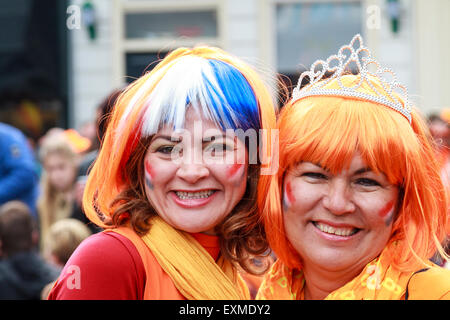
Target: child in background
(60,163)
(63,238)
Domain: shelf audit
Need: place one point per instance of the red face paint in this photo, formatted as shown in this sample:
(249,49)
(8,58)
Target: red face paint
(387,213)
(289,196)
(386,209)
(148,169)
(233,169)
(148,174)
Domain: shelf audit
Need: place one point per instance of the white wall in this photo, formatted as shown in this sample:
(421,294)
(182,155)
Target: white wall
(241,28)
(432,46)
(395,50)
(90,70)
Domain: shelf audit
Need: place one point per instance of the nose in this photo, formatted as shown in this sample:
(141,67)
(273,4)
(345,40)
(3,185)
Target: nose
(192,172)
(338,199)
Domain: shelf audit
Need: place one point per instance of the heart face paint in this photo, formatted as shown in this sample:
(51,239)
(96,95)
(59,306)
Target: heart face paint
(387,213)
(148,174)
(288,196)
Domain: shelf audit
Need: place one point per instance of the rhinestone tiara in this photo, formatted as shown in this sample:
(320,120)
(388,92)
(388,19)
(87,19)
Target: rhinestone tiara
(337,65)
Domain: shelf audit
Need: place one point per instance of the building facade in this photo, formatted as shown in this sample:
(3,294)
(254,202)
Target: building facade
(120,40)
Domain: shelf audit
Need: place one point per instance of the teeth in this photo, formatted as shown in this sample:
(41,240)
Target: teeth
(194,195)
(343,232)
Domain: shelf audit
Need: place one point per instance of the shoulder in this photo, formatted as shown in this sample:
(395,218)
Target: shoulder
(11,134)
(106,244)
(431,284)
(14,144)
(105,266)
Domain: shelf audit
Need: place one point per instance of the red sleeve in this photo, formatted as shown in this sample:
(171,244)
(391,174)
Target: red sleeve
(105,266)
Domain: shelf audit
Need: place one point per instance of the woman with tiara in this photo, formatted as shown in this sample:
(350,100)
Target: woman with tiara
(357,207)
(174,185)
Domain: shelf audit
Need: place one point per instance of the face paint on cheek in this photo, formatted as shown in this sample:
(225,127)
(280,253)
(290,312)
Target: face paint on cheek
(387,212)
(288,196)
(148,175)
(234,172)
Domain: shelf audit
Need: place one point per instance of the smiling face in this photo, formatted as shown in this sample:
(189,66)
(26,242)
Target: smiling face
(338,222)
(194,178)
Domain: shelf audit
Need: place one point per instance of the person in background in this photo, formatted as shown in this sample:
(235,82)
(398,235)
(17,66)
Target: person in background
(18,177)
(60,166)
(358,206)
(440,131)
(23,272)
(439,125)
(62,239)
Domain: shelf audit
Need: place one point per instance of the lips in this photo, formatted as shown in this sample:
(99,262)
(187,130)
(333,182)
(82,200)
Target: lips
(335,230)
(193,198)
(185,195)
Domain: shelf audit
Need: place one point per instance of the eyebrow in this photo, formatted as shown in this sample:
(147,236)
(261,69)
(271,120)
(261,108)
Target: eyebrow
(168,138)
(179,139)
(359,171)
(362,170)
(213,137)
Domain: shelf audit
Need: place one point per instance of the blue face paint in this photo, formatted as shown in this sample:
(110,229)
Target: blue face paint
(148,175)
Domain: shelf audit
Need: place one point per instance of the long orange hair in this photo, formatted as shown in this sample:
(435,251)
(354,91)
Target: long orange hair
(328,130)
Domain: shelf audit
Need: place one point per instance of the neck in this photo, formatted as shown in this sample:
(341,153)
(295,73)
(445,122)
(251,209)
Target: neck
(319,282)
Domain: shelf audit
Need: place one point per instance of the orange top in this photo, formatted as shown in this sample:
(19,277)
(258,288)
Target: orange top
(377,281)
(158,284)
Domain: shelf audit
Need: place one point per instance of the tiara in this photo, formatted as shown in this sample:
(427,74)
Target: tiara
(337,65)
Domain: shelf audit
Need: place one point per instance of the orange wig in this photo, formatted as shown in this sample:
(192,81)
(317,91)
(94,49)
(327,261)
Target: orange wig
(328,130)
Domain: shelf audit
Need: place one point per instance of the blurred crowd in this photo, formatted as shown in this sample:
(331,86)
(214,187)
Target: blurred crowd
(41,188)
(41,216)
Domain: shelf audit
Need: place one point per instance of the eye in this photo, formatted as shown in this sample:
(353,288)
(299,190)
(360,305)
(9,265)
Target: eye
(314,175)
(165,149)
(367,182)
(218,148)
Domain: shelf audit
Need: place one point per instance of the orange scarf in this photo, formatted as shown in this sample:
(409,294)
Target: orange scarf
(192,269)
(377,281)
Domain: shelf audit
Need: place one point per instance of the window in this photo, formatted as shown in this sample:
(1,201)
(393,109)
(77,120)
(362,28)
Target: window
(307,31)
(147,30)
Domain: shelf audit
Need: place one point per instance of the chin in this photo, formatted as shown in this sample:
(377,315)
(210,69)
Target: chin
(192,228)
(334,261)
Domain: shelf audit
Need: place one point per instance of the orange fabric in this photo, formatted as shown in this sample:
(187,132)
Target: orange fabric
(159,286)
(79,143)
(378,281)
(252,281)
(194,272)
